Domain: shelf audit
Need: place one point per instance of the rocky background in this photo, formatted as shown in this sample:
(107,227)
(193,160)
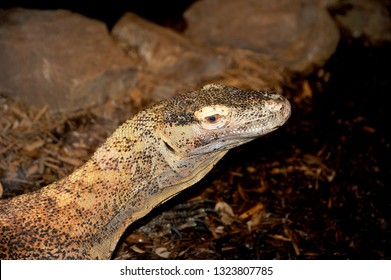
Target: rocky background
(318,188)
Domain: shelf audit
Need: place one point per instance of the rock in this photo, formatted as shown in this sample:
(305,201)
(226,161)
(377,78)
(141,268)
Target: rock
(363,18)
(60,59)
(171,62)
(297,33)
(176,62)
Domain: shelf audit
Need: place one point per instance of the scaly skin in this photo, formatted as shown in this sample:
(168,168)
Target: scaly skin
(149,159)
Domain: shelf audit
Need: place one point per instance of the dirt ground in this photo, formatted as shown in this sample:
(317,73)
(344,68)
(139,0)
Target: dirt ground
(318,188)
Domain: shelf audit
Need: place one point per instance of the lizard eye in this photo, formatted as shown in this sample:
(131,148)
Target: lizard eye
(213,117)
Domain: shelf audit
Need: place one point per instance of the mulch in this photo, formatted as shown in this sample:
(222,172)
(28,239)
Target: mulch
(317,188)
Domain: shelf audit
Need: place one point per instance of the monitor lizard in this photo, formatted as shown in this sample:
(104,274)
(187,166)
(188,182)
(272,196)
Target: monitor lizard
(146,161)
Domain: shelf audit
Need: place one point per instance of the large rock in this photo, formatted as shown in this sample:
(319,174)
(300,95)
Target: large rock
(365,19)
(60,59)
(171,62)
(175,61)
(299,34)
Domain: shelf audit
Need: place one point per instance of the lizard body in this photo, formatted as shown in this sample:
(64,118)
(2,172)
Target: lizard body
(147,160)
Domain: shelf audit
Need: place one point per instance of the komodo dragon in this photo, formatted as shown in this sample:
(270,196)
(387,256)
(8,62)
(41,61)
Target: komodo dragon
(147,160)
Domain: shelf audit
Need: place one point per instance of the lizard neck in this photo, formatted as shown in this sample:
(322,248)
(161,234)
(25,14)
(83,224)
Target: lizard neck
(104,196)
(130,175)
(83,213)
(86,213)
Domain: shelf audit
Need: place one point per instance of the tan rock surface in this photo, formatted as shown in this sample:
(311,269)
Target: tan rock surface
(60,59)
(299,34)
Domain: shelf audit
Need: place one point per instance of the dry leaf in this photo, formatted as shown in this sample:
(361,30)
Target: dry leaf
(226,212)
(162,252)
(137,249)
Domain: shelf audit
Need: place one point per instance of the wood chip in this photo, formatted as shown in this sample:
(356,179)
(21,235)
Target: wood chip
(32,170)
(52,166)
(72,161)
(251,169)
(34,145)
(369,129)
(242,193)
(75,153)
(18,112)
(307,91)
(257,208)
(40,113)
(280,237)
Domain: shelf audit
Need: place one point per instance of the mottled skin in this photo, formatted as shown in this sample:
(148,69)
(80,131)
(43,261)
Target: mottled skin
(150,158)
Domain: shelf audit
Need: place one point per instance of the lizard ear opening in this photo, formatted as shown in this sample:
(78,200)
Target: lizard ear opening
(213,117)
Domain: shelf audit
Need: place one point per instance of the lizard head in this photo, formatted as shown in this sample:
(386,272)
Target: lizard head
(217,118)
(172,145)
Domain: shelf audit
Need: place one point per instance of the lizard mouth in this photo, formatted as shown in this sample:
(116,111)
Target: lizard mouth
(250,130)
(235,137)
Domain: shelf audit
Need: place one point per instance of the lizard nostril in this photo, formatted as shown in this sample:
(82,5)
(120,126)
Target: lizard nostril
(275,107)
